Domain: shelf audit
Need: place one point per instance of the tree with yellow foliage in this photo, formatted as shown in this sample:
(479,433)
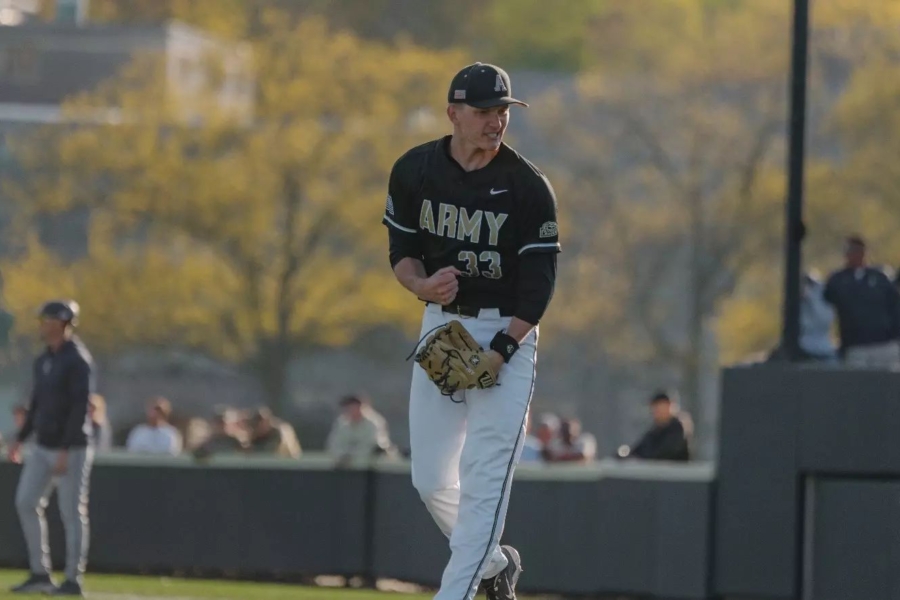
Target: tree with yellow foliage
(248,239)
(673,144)
(851,177)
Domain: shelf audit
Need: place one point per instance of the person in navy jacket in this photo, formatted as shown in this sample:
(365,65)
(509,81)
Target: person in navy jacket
(58,421)
(868,310)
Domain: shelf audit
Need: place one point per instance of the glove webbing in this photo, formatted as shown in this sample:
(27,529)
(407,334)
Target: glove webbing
(416,347)
(445,389)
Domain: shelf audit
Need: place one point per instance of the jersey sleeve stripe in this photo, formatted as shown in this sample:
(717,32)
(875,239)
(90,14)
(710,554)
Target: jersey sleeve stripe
(554,245)
(396,225)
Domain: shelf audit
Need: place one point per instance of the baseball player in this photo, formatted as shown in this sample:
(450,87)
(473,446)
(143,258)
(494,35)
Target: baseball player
(473,233)
(62,455)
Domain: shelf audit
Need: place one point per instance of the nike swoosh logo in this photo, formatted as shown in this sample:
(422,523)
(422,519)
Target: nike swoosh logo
(495,192)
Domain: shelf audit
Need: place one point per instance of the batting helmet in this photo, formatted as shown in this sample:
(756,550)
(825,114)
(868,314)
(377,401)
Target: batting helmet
(63,310)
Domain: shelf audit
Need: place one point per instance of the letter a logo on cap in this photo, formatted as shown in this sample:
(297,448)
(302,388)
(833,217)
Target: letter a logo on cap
(499,86)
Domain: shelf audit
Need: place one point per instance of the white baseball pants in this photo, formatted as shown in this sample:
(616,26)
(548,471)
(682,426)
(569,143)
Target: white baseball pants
(464,454)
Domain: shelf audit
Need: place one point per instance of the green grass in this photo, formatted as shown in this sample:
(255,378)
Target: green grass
(130,587)
(124,587)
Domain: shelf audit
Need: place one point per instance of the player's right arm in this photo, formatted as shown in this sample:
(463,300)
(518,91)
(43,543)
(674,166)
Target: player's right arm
(440,287)
(14,451)
(400,217)
(28,425)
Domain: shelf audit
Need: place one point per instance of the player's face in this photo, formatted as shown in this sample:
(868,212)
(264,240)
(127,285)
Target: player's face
(856,255)
(353,412)
(662,412)
(482,128)
(51,329)
(19,418)
(545,433)
(156,415)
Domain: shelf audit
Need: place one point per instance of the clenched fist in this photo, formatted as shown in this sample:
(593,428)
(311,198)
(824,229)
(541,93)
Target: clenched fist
(440,288)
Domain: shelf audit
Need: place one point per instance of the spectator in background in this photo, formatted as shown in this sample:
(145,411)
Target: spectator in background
(226,437)
(667,439)
(102,431)
(359,433)
(157,435)
(269,435)
(196,431)
(571,445)
(868,309)
(816,320)
(533,448)
(548,429)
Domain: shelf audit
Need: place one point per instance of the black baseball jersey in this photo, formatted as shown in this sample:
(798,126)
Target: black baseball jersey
(482,222)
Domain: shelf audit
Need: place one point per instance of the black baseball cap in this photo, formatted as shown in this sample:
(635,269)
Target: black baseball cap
(856,240)
(63,310)
(661,396)
(351,399)
(482,85)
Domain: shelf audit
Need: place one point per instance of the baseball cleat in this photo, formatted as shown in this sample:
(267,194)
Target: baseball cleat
(68,588)
(503,585)
(35,584)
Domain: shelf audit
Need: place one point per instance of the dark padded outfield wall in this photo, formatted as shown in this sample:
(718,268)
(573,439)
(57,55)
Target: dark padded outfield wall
(636,529)
(181,517)
(756,484)
(622,529)
(660,531)
(788,429)
(854,543)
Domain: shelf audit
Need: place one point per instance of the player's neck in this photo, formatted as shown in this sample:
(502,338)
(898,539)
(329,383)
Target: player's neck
(469,156)
(56,343)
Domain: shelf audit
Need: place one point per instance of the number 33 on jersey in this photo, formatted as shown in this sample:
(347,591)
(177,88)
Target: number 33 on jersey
(481,222)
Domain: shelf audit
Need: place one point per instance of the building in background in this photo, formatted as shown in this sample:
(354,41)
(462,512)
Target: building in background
(41,64)
(44,63)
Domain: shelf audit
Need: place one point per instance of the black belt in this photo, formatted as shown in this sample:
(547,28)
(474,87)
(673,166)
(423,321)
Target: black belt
(474,311)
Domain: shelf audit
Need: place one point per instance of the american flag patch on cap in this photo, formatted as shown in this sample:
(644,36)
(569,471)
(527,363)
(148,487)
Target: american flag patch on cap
(459,94)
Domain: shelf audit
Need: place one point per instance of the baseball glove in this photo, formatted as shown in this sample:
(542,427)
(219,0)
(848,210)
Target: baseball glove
(453,360)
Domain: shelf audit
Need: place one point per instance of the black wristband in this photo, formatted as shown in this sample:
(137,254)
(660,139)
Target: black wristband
(505,345)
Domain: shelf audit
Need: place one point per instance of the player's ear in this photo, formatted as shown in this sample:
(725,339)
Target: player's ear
(451,113)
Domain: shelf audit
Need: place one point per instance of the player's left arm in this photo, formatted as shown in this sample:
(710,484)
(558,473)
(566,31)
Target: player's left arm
(79,388)
(538,247)
(28,425)
(893,300)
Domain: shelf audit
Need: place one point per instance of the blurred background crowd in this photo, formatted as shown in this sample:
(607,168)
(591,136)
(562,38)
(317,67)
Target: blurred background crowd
(207,180)
(358,435)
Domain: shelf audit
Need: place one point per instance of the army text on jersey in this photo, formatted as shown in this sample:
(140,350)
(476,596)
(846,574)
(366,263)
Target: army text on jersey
(481,221)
